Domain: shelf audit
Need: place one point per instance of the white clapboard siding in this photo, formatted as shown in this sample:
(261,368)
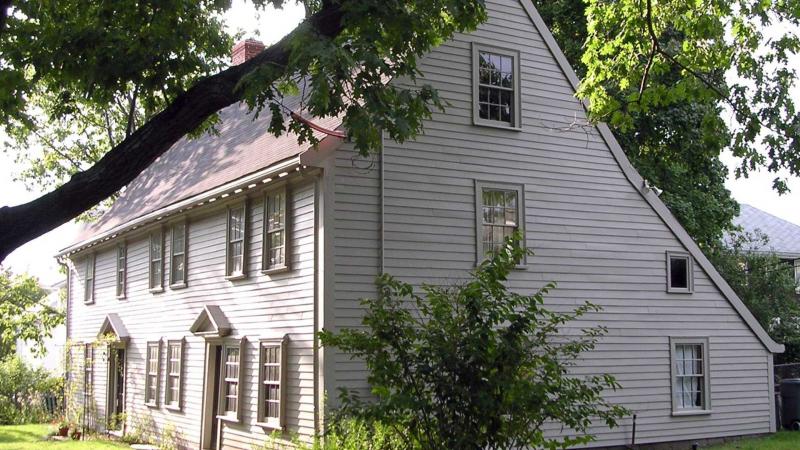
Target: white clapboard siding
(592,232)
(259,306)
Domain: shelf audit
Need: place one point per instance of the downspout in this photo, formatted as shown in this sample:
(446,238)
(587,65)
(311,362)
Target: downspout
(382,267)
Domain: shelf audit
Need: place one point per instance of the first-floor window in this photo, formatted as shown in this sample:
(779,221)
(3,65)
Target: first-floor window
(797,275)
(272,361)
(690,377)
(151,374)
(231,380)
(88,369)
(499,208)
(174,369)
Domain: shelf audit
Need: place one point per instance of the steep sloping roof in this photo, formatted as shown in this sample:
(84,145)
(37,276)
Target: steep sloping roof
(193,166)
(784,236)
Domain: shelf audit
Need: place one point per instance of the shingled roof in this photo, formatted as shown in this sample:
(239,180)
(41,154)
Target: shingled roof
(784,236)
(241,147)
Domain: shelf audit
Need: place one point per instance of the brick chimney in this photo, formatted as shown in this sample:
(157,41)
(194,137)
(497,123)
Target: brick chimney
(244,50)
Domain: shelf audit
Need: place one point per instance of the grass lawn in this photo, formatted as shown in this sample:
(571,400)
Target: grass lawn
(784,440)
(30,437)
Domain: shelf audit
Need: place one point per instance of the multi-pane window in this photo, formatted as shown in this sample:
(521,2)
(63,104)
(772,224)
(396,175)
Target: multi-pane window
(156,260)
(122,267)
(496,86)
(88,285)
(151,373)
(177,264)
(174,368)
(690,375)
(236,236)
(797,275)
(679,272)
(88,369)
(274,252)
(272,357)
(499,216)
(231,379)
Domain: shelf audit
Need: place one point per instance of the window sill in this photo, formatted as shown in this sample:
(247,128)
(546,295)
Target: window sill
(88,302)
(173,408)
(177,286)
(271,425)
(499,125)
(157,290)
(229,419)
(151,404)
(679,291)
(274,270)
(121,297)
(691,412)
(240,276)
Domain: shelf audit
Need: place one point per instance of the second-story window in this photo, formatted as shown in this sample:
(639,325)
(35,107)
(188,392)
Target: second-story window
(236,245)
(177,264)
(274,251)
(156,260)
(500,213)
(88,288)
(122,268)
(496,86)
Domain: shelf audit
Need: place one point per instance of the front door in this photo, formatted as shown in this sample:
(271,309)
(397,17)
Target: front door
(211,398)
(116,389)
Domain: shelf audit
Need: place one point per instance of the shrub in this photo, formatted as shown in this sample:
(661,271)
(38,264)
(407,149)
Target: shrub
(23,390)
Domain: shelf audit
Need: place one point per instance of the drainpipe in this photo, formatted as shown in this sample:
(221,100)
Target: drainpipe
(381,182)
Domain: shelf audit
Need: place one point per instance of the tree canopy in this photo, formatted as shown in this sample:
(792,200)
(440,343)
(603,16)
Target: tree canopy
(25,313)
(105,88)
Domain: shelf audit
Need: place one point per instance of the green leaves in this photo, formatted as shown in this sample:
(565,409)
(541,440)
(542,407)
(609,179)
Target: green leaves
(476,365)
(24,313)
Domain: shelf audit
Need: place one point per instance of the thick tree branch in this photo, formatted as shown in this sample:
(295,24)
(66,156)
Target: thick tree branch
(22,223)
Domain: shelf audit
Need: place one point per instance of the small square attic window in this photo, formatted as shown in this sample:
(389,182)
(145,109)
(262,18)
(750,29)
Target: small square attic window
(679,273)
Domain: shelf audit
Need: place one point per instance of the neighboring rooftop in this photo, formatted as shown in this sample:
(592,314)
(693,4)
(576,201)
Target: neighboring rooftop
(784,236)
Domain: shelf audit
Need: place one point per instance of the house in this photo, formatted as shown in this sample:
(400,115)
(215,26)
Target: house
(208,278)
(784,236)
(52,359)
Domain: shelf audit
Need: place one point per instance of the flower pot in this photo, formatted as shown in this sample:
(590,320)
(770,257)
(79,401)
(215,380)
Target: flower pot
(63,431)
(76,435)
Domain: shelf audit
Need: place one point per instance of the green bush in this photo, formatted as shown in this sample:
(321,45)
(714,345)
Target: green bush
(22,392)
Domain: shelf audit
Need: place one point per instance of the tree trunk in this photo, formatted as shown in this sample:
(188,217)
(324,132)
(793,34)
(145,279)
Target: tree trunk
(23,223)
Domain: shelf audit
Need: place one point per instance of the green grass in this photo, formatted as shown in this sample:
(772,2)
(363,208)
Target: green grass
(31,437)
(784,440)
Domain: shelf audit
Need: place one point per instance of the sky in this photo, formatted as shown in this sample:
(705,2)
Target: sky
(37,256)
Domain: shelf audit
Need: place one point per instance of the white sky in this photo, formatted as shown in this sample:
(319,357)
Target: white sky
(36,257)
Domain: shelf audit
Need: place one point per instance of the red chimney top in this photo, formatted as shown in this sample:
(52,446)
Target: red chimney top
(246,49)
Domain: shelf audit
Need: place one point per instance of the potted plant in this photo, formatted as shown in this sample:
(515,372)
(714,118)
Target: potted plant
(75,434)
(63,428)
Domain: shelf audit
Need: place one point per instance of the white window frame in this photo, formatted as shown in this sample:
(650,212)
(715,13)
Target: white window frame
(690,273)
(122,270)
(89,279)
(222,413)
(274,423)
(797,275)
(229,275)
(173,282)
(157,234)
(174,379)
(269,199)
(706,407)
(516,122)
(149,377)
(480,186)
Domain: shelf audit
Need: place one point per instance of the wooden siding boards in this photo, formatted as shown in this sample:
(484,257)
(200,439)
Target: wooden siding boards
(259,305)
(593,232)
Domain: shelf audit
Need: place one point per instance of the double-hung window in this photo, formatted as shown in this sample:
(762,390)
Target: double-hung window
(88,285)
(156,260)
(88,369)
(500,213)
(690,376)
(236,241)
(679,273)
(122,269)
(271,390)
(496,87)
(275,231)
(230,405)
(153,366)
(177,250)
(172,398)
(797,275)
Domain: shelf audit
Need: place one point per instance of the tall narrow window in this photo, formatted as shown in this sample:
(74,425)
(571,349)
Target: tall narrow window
(690,377)
(272,370)
(88,369)
(500,212)
(236,241)
(177,264)
(679,273)
(156,260)
(122,268)
(496,86)
(231,380)
(174,369)
(151,374)
(88,287)
(797,275)
(275,232)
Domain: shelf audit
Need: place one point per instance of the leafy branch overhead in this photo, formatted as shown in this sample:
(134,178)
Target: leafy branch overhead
(740,53)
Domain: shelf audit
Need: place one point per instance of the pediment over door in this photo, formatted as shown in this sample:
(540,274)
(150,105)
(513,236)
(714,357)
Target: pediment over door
(113,326)
(211,322)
